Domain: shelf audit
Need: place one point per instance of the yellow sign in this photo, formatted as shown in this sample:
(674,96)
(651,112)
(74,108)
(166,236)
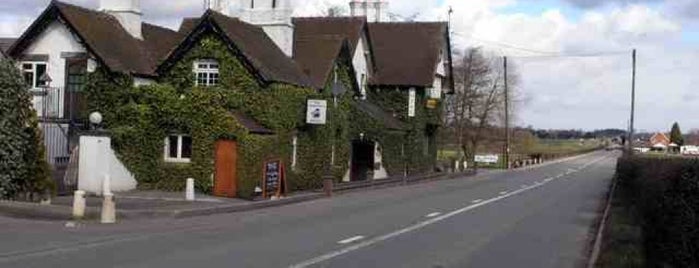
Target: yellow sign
(432,103)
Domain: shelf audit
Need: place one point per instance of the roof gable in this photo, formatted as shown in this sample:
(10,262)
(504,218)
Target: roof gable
(318,55)
(256,50)
(104,37)
(407,54)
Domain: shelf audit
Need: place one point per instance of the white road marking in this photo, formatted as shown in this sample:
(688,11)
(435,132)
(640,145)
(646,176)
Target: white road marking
(412,228)
(503,193)
(433,214)
(548,179)
(477,201)
(351,239)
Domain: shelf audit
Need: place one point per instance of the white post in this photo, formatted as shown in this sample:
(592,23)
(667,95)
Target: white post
(106,184)
(108,209)
(79,204)
(189,194)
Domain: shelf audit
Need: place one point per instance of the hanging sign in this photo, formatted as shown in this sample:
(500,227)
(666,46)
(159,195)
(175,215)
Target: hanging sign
(316,113)
(411,102)
(274,182)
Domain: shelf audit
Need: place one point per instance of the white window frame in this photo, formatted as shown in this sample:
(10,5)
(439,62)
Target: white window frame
(34,64)
(166,150)
(210,68)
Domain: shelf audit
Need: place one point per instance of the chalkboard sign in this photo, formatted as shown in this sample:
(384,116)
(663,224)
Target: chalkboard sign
(273,179)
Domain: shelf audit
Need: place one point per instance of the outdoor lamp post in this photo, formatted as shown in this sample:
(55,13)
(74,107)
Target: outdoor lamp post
(95,120)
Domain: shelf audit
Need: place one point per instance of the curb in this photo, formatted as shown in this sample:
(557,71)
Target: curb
(597,245)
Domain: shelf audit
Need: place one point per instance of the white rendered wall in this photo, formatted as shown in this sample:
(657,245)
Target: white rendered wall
(52,42)
(359,61)
(97,159)
(380,173)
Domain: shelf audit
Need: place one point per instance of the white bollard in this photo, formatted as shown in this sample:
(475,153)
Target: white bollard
(108,209)
(106,184)
(465,165)
(189,194)
(79,204)
(456,166)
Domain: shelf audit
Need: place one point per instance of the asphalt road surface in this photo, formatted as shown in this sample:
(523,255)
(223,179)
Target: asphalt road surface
(541,217)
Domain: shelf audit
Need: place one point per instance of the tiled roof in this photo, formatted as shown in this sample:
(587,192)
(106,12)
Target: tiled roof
(316,56)
(406,54)
(6,43)
(344,27)
(380,115)
(251,124)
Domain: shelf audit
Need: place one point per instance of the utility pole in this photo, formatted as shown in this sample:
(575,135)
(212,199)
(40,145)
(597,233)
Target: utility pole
(629,140)
(507,117)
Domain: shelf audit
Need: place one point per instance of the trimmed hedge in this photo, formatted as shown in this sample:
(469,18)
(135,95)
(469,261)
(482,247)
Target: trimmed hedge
(665,196)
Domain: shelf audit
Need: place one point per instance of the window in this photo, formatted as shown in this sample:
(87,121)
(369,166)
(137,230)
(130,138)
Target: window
(178,148)
(32,72)
(206,73)
(274,3)
(252,4)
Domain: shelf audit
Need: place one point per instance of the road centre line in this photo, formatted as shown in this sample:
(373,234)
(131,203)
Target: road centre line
(477,201)
(417,226)
(503,193)
(351,239)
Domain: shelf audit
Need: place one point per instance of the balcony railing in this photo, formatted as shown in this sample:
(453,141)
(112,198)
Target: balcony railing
(59,104)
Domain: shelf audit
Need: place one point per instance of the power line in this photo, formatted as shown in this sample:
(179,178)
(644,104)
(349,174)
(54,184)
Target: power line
(545,54)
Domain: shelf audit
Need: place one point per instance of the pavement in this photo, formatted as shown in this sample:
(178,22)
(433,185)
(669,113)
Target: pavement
(537,217)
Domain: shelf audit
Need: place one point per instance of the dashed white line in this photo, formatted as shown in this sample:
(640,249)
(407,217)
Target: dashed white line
(351,239)
(433,214)
(477,201)
(548,179)
(503,193)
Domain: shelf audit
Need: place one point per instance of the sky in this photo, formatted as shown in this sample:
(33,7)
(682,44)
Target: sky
(573,57)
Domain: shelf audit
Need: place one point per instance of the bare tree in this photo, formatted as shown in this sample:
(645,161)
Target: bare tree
(478,104)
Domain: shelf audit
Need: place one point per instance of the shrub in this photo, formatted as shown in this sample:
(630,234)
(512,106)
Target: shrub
(665,194)
(23,167)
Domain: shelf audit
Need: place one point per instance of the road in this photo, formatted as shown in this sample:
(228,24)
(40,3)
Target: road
(541,217)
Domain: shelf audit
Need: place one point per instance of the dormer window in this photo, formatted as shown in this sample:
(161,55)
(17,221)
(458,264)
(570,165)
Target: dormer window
(206,73)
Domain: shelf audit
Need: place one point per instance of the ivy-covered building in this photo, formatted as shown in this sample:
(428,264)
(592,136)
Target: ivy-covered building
(227,92)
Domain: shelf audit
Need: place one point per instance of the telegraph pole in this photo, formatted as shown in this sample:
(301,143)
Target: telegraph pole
(629,139)
(507,117)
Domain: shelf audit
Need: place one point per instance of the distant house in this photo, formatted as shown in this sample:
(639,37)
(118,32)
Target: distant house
(659,141)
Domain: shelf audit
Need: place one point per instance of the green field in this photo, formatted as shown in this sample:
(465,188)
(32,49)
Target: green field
(523,149)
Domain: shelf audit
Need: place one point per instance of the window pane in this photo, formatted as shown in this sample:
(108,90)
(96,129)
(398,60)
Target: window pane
(202,65)
(172,146)
(186,147)
(28,67)
(29,79)
(213,66)
(40,71)
(214,79)
(201,79)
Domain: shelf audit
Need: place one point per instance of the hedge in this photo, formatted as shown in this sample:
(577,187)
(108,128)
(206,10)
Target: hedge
(665,195)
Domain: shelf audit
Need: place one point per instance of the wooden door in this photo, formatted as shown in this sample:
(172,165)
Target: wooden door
(225,179)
